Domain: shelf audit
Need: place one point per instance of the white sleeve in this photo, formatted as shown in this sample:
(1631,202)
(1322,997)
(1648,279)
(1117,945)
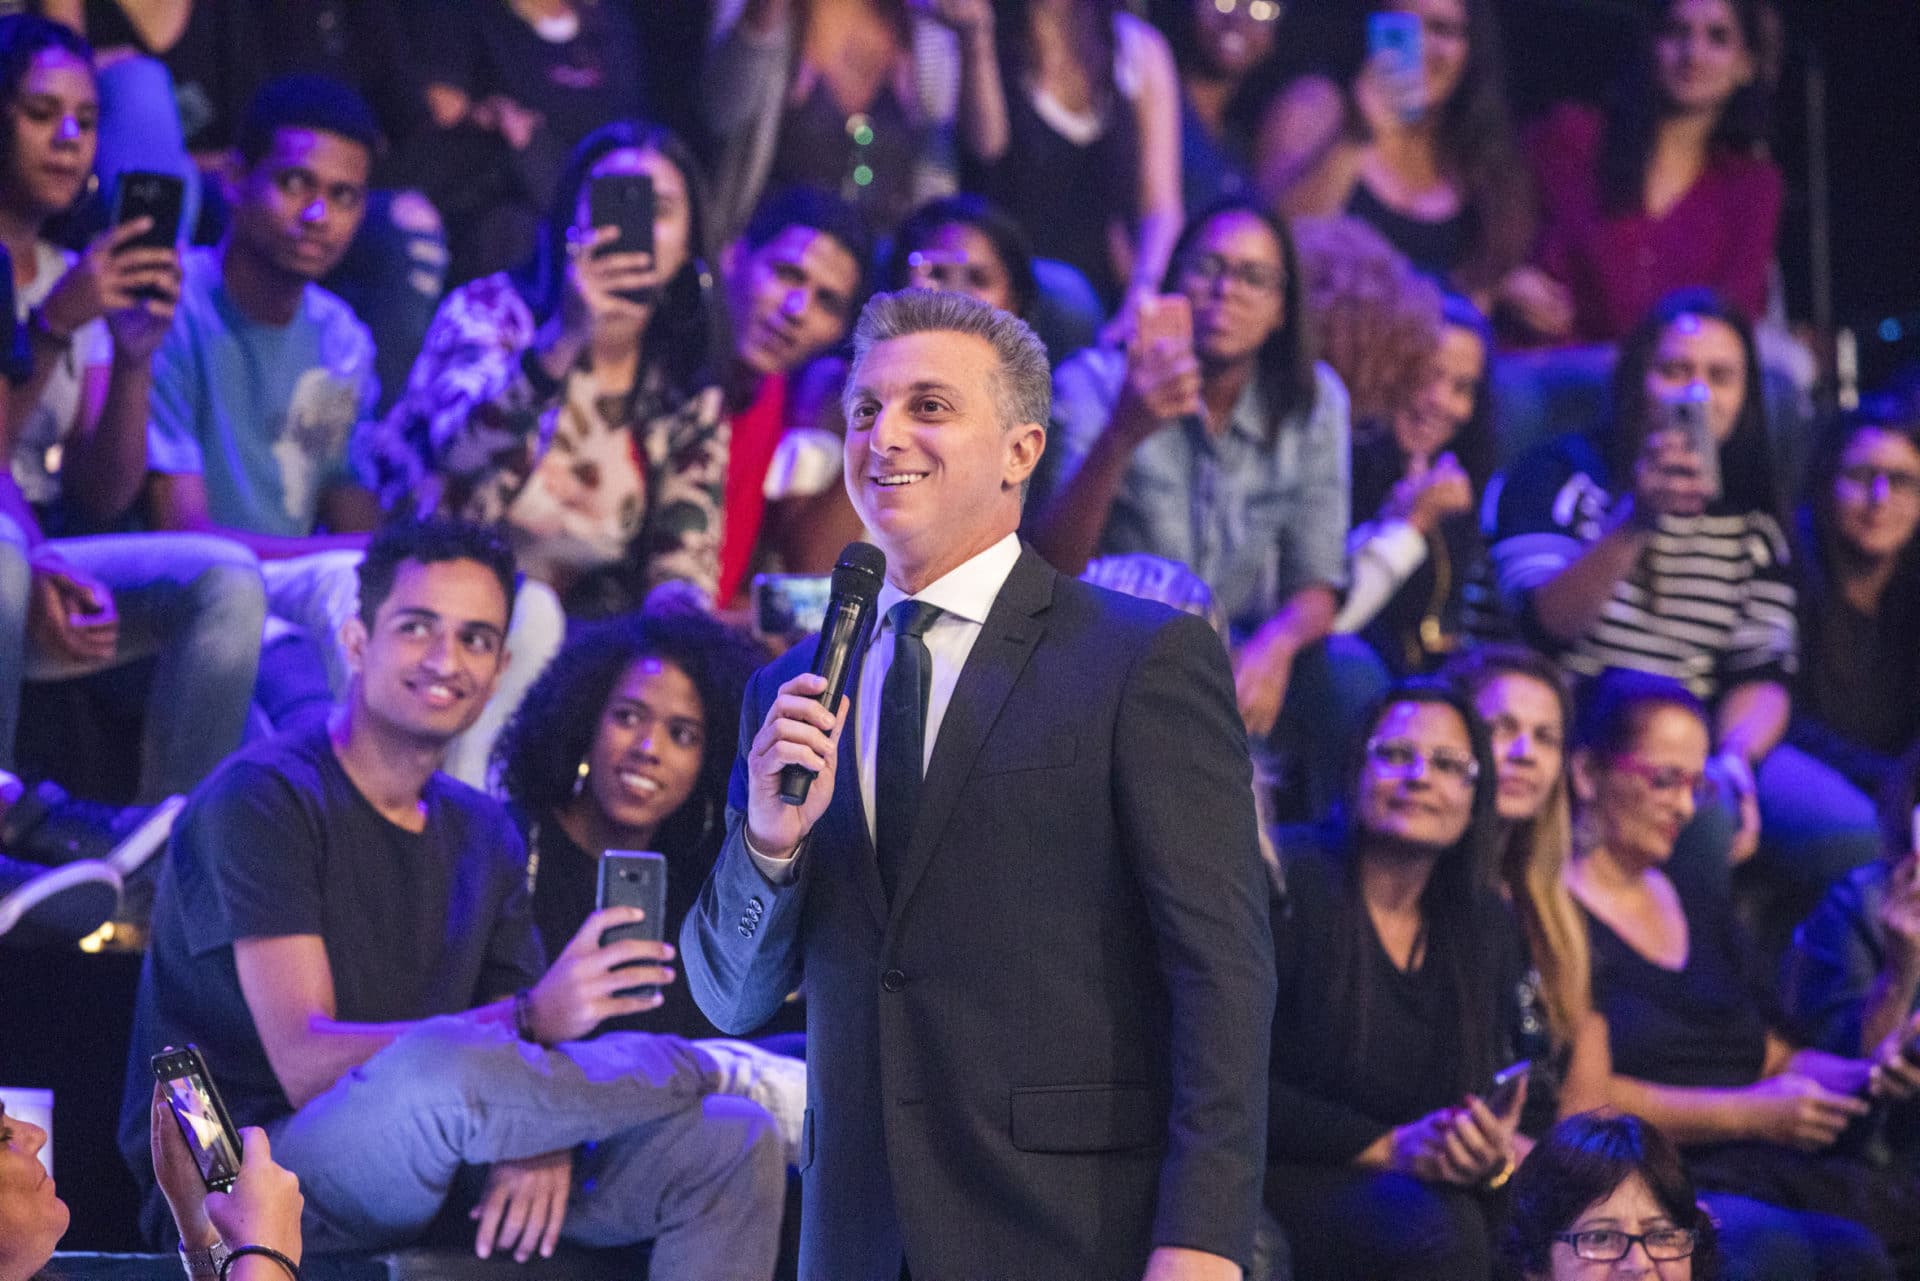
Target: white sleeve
(1382,556)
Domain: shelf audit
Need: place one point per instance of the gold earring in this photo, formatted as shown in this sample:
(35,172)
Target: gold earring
(580,779)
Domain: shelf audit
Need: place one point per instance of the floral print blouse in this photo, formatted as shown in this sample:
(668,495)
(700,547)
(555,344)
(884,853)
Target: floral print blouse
(584,483)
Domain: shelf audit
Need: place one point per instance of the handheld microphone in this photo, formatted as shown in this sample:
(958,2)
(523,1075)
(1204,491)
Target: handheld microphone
(849,618)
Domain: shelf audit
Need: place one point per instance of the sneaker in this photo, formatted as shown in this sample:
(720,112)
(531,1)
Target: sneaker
(46,906)
(774,1081)
(49,827)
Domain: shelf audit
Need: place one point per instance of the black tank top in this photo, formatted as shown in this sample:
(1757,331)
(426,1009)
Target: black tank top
(1437,248)
(822,146)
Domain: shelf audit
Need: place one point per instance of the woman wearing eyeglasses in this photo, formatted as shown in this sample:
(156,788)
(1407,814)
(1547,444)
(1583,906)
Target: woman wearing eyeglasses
(1856,707)
(1604,1198)
(1222,445)
(1693,1046)
(1396,970)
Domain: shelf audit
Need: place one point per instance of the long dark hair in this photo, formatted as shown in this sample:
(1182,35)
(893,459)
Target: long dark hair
(1584,1159)
(1008,238)
(1746,466)
(1638,107)
(24,37)
(1477,142)
(1285,361)
(1013,25)
(689,339)
(540,751)
(1820,540)
(1457,907)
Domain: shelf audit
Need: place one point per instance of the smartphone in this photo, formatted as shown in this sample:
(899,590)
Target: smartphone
(1685,411)
(1915,822)
(200,1114)
(1505,1091)
(1166,316)
(159,196)
(787,605)
(631,878)
(623,200)
(1394,46)
(16,346)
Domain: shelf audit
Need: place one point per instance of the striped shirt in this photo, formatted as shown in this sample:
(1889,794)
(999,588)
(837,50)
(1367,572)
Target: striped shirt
(1710,601)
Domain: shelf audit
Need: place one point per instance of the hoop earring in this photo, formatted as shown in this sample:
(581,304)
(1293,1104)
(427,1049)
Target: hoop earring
(580,778)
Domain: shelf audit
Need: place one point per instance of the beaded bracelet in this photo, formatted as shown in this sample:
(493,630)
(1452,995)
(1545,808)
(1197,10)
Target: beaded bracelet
(265,1252)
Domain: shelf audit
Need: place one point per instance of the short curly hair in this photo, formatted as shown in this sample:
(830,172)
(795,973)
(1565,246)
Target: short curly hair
(539,754)
(1375,319)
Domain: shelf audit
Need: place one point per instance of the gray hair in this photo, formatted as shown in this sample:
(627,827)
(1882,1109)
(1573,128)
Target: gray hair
(1023,381)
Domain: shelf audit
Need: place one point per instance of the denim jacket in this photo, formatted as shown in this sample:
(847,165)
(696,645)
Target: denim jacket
(1258,518)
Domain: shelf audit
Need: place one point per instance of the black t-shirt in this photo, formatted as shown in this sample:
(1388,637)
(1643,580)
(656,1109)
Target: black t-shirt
(1325,1103)
(482,48)
(280,842)
(1704,1024)
(565,888)
(215,64)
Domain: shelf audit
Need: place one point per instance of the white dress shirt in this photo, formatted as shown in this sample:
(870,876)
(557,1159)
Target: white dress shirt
(964,595)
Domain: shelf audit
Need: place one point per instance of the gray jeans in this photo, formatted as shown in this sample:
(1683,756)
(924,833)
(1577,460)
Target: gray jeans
(658,1156)
(193,600)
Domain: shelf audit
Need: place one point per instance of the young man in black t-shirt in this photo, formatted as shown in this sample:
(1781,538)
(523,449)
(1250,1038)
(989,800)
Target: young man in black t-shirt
(347,934)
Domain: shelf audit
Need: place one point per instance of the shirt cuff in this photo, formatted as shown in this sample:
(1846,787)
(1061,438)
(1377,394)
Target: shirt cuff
(778,871)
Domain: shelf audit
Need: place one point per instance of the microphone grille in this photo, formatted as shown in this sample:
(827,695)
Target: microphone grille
(860,571)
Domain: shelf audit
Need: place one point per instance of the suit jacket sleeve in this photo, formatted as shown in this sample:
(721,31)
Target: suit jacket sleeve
(1183,788)
(741,942)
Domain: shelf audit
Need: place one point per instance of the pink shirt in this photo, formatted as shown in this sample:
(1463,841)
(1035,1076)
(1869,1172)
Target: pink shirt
(1720,233)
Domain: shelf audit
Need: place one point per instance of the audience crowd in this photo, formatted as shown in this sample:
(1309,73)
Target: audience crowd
(407,523)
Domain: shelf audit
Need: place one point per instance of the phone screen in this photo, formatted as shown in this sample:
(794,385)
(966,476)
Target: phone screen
(1393,44)
(790,604)
(203,1125)
(1687,412)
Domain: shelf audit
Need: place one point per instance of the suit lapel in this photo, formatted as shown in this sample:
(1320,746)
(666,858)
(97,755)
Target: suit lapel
(1005,643)
(846,814)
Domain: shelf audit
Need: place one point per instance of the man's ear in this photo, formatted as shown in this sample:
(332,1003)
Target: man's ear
(1025,444)
(353,639)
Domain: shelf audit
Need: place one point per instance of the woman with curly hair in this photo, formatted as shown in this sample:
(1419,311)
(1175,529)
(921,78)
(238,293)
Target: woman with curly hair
(626,742)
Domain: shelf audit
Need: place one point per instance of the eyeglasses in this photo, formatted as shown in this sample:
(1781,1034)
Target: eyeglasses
(1866,479)
(1256,277)
(1664,778)
(1608,1246)
(1397,758)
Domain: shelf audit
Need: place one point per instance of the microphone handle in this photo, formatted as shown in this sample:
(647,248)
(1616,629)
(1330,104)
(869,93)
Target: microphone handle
(840,637)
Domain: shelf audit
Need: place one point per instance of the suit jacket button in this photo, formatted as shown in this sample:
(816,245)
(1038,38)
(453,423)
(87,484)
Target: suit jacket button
(746,931)
(753,905)
(893,980)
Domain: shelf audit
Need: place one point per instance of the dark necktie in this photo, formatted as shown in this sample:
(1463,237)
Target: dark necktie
(902,748)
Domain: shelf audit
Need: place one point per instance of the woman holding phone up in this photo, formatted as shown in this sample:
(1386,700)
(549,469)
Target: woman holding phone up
(575,399)
(1215,440)
(1651,543)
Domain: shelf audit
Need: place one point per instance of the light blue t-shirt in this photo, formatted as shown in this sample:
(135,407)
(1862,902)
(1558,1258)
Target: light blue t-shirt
(264,413)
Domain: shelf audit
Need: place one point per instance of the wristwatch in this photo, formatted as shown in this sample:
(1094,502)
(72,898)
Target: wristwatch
(203,1265)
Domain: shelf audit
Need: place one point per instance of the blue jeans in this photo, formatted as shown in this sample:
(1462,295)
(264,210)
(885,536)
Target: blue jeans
(1762,1242)
(658,1155)
(193,601)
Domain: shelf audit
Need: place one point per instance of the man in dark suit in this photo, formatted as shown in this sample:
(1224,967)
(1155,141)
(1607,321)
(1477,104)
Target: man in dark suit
(1024,891)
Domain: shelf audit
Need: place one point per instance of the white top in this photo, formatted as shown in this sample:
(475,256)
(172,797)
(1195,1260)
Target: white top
(965,596)
(43,434)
